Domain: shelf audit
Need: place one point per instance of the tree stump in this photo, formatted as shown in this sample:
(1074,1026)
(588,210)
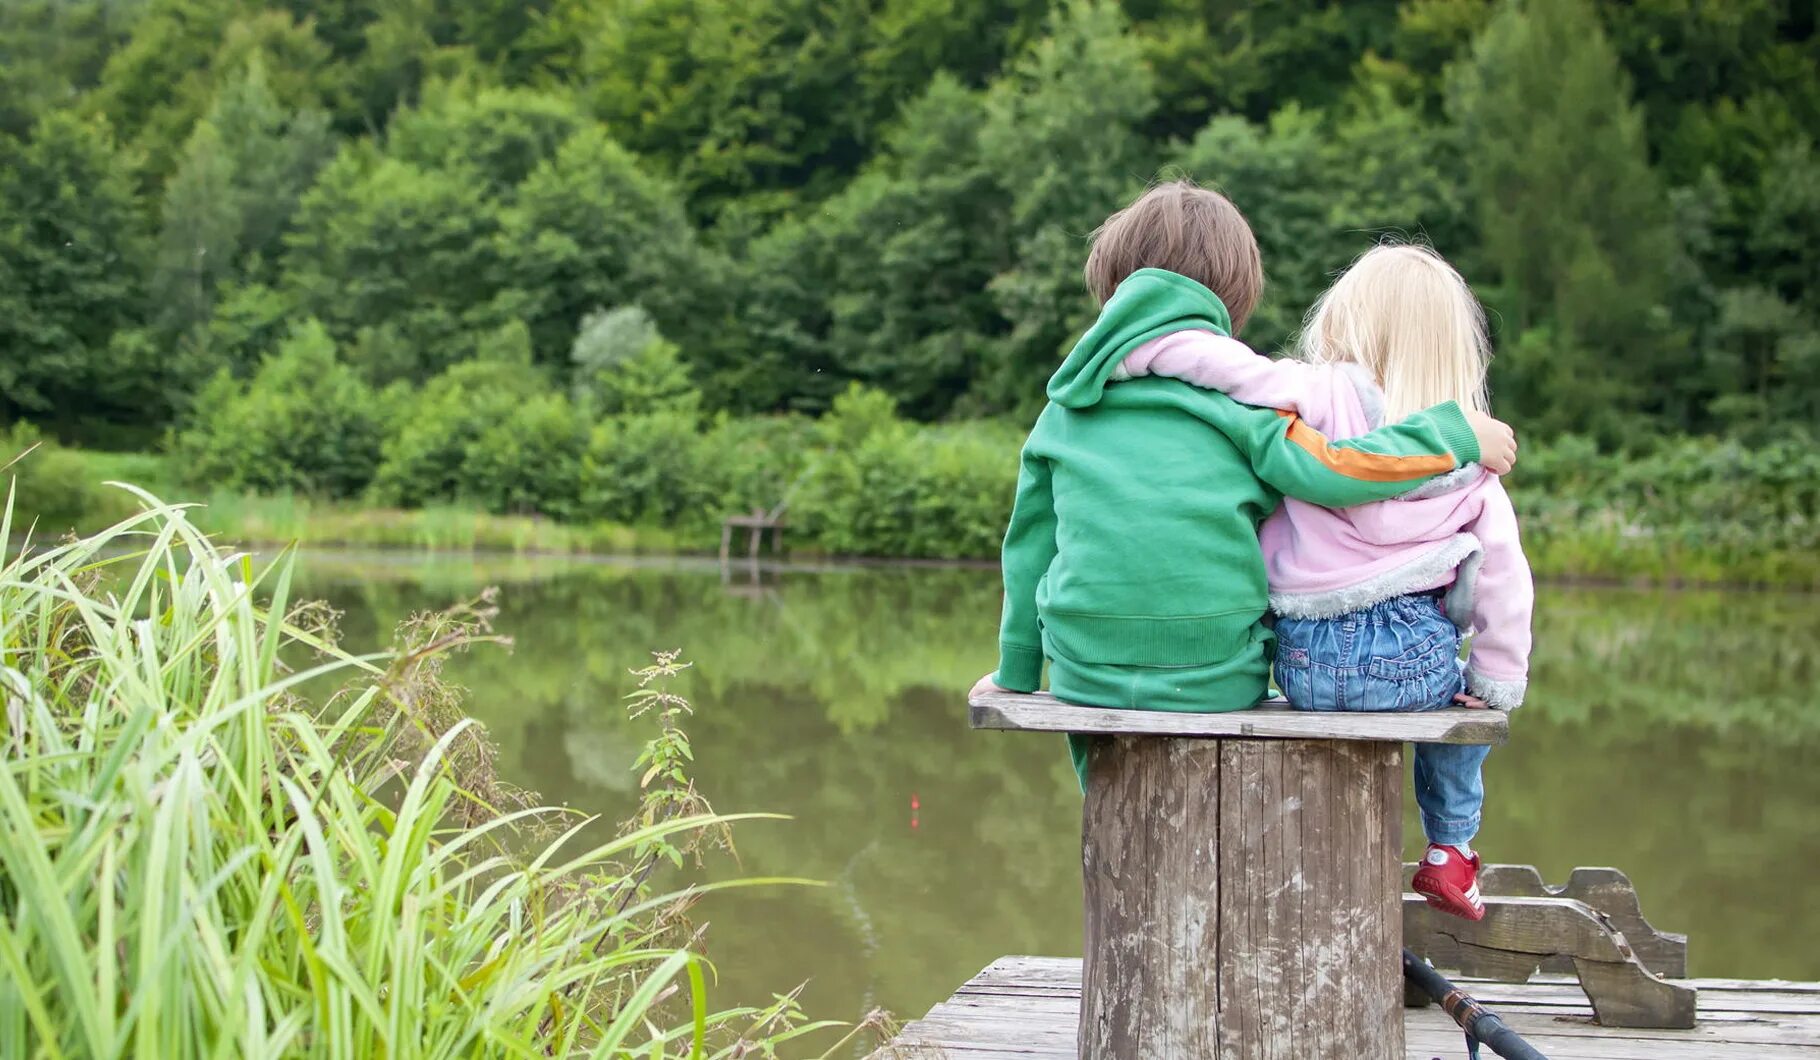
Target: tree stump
(1242,899)
(1242,877)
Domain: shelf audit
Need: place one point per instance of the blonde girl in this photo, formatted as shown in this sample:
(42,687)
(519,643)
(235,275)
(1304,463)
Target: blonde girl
(1372,602)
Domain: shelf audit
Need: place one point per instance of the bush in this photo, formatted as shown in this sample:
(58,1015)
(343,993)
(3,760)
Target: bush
(49,483)
(527,461)
(490,431)
(757,461)
(305,422)
(1688,510)
(884,487)
(649,468)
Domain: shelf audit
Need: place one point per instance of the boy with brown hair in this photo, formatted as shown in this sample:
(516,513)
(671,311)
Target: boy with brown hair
(1132,562)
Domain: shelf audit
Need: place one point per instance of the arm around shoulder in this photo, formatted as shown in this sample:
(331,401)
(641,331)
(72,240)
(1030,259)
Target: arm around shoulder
(1301,462)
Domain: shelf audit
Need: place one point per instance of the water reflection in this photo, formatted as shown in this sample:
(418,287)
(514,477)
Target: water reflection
(1670,734)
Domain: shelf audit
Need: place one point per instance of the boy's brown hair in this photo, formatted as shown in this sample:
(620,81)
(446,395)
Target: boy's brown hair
(1186,229)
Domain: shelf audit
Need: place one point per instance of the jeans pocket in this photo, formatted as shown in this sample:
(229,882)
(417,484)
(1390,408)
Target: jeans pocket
(1308,687)
(1420,678)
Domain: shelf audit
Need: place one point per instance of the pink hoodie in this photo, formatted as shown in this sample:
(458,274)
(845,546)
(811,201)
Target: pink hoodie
(1457,531)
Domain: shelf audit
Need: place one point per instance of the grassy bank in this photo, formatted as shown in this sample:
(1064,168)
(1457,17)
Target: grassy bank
(863,483)
(288,518)
(201,860)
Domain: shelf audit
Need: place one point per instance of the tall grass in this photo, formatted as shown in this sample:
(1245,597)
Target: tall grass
(197,861)
(295,519)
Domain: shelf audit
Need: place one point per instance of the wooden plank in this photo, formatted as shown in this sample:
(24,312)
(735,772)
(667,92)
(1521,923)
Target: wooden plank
(1061,976)
(1149,831)
(1024,1008)
(1041,712)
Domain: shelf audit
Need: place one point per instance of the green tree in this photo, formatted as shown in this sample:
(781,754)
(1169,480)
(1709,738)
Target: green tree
(243,170)
(770,106)
(499,134)
(622,364)
(1218,56)
(1319,189)
(52,50)
(590,228)
(381,242)
(72,265)
(888,283)
(184,53)
(1573,219)
(1062,135)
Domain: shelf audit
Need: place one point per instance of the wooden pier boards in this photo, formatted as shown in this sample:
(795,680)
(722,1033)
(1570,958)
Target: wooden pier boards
(1241,876)
(1027,1008)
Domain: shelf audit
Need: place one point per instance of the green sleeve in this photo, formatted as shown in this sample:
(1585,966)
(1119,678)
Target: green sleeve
(1299,461)
(1029,548)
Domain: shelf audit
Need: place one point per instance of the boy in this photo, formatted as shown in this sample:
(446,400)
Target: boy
(1132,563)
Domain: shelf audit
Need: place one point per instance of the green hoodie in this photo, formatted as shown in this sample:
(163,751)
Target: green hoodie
(1134,540)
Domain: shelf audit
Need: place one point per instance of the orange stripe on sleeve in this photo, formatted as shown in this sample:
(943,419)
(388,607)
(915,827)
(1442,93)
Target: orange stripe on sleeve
(1366,467)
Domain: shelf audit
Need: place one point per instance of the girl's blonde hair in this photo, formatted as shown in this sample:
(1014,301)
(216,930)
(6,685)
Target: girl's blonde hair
(1405,315)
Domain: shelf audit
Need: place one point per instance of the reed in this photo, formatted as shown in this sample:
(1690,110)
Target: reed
(203,853)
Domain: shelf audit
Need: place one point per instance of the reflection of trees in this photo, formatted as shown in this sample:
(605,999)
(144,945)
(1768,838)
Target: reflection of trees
(1666,734)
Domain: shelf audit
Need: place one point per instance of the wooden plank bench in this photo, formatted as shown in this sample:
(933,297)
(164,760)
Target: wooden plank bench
(1027,1008)
(755,523)
(1241,875)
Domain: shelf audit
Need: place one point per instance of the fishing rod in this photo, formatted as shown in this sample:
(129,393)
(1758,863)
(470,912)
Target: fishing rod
(1480,1023)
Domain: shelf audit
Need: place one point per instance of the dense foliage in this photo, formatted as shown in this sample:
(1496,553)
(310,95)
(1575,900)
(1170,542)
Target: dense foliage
(893,192)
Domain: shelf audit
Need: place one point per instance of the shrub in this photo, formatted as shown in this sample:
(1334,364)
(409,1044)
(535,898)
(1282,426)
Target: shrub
(305,422)
(883,487)
(527,461)
(487,430)
(49,483)
(649,468)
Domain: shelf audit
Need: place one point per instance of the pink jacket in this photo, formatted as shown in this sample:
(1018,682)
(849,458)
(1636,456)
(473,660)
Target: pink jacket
(1457,531)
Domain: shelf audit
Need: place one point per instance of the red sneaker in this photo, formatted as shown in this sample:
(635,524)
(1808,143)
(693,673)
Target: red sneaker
(1450,882)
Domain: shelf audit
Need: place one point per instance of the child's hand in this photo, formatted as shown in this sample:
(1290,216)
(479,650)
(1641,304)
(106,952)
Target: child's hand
(985,686)
(1474,702)
(1497,443)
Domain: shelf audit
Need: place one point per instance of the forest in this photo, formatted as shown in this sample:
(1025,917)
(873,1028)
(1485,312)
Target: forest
(618,259)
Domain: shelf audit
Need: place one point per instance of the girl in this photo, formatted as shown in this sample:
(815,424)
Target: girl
(1371,601)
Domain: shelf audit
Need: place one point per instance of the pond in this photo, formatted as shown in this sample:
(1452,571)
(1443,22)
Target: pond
(1672,734)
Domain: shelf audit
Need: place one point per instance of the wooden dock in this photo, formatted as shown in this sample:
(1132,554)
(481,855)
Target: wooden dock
(1026,1008)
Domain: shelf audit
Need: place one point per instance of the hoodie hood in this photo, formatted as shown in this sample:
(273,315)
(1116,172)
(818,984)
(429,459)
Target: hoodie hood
(1150,303)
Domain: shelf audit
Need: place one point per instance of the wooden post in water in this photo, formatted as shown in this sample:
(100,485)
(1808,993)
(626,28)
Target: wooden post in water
(1242,877)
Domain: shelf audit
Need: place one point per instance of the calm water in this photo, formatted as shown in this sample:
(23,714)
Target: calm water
(1675,735)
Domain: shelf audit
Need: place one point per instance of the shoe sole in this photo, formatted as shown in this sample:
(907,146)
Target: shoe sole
(1447,900)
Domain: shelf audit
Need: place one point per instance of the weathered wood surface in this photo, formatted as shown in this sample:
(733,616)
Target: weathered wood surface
(1608,891)
(1518,935)
(1234,889)
(1024,1008)
(1041,712)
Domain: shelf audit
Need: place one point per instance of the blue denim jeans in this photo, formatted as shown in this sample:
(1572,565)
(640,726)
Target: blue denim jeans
(1399,655)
